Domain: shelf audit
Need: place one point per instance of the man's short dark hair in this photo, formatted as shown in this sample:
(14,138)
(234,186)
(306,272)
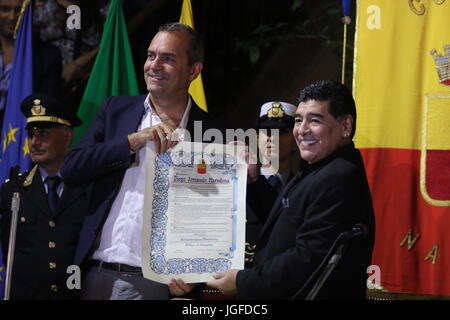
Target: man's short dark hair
(341,102)
(196,51)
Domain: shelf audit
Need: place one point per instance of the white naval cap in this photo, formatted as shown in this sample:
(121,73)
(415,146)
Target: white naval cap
(277,114)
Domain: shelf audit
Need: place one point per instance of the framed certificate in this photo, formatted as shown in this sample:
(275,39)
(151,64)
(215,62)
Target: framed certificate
(194,212)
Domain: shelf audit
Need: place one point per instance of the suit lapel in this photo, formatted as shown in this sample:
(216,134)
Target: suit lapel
(280,204)
(134,115)
(196,114)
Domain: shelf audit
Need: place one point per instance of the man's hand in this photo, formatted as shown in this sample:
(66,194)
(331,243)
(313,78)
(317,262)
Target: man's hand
(253,167)
(179,288)
(161,134)
(225,282)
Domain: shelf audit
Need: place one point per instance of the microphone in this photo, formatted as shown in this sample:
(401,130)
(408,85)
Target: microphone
(331,260)
(359,230)
(336,252)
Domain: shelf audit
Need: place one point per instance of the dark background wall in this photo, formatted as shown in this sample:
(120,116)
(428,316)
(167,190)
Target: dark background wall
(256,50)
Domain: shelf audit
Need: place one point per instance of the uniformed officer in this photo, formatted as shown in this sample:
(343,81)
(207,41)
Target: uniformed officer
(51,213)
(261,195)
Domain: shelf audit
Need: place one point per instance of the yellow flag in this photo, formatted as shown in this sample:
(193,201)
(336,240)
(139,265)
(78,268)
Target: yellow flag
(402,90)
(395,66)
(196,89)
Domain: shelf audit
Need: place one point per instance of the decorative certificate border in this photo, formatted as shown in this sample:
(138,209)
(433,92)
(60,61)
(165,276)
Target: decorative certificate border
(158,262)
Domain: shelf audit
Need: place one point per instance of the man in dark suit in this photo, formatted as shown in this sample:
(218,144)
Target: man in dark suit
(326,199)
(111,155)
(51,213)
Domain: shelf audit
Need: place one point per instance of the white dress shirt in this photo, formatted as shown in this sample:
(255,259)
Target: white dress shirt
(120,240)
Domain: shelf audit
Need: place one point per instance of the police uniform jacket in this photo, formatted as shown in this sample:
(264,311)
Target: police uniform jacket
(45,241)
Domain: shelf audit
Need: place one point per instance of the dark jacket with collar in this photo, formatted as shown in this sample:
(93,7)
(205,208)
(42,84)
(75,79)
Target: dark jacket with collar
(324,200)
(102,156)
(45,241)
(261,197)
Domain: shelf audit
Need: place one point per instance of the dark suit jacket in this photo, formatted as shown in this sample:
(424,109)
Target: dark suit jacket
(42,237)
(103,156)
(261,197)
(324,200)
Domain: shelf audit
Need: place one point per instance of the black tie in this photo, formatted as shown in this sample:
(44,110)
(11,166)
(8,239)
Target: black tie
(52,196)
(275,182)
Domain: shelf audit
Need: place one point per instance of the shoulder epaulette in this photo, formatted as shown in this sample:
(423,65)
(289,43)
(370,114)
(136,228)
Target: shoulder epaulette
(30,176)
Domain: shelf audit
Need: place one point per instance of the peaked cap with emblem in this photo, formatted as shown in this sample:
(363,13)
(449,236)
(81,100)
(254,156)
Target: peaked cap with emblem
(276,115)
(45,111)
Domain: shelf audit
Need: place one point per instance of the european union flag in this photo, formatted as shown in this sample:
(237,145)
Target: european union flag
(14,149)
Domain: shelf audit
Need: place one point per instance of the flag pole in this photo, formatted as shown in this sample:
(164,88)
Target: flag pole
(15,204)
(346,20)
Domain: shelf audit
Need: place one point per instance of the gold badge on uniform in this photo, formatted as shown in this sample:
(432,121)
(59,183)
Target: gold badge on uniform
(276,111)
(37,109)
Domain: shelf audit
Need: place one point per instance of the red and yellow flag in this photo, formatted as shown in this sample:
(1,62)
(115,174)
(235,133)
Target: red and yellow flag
(196,89)
(402,90)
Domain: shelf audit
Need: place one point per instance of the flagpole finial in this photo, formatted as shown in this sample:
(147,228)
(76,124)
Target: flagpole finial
(346,20)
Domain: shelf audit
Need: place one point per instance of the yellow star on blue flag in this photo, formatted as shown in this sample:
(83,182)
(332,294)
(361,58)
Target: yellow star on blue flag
(11,134)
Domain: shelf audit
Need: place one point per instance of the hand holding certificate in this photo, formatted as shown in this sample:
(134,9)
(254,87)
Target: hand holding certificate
(194,212)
